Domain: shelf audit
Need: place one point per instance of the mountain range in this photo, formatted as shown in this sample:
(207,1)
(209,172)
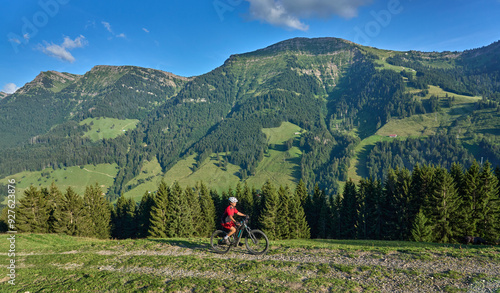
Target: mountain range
(322,110)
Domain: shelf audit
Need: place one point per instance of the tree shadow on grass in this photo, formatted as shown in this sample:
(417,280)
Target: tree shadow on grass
(195,244)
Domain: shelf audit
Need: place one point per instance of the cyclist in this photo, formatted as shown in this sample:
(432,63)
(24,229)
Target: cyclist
(228,222)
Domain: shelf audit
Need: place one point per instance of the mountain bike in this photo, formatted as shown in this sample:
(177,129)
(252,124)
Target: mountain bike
(255,240)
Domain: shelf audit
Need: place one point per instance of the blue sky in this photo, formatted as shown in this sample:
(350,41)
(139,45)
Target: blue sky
(191,37)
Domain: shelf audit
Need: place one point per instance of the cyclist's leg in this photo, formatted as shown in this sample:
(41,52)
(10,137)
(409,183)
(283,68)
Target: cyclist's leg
(231,231)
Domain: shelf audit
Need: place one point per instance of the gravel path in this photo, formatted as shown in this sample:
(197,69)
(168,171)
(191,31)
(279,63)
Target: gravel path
(396,271)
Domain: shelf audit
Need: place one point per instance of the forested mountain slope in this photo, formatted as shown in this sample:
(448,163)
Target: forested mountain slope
(339,93)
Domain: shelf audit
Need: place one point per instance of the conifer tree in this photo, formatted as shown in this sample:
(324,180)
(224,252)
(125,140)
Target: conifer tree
(421,231)
(98,212)
(423,186)
(488,224)
(391,203)
(301,191)
(32,212)
(371,209)
(298,223)
(70,217)
(324,217)
(245,199)
(445,204)
(143,214)
(54,199)
(158,220)
(269,213)
(219,208)
(123,219)
(471,200)
(313,208)
(207,210)
(192,211)
(336,220)
(4,220)
(282,219)
(349,211)
(178,223)
(398,217)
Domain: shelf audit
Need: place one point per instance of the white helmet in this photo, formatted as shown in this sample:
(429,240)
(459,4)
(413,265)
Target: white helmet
(233,199)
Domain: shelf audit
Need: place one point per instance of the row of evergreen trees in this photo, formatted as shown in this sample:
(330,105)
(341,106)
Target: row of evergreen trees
(429,204)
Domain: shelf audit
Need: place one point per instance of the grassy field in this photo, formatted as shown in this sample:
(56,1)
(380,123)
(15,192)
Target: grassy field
(105,128)
(60,263)
(78,178)
(278,165)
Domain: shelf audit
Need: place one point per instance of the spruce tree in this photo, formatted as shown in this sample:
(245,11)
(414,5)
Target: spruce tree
(158,220)
(349,211)
(298,223)
(178,223)
(207,210)
(336,220)
(54,199)
(421,231)
(70,217)
(98,212)
(219,207)
(143,214)
(193,211)
(488,224)
(422,188)
(471,200)
(123,219)
(268,217)
(32,212)
(282,219)
(445,204)
(371,209)
(301,191)
(245,199)
(324,217)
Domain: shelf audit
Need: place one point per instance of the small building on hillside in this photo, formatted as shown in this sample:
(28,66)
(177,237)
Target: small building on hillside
(393,135)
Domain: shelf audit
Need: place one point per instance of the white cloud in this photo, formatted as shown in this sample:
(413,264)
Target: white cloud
(26,37)
(15,40)
(289,13)
(147,31)
(62,51)
(107,26)
(10,88)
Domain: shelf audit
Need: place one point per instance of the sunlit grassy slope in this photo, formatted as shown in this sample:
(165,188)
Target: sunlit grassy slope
(75,177)
(280,166)
(105,128)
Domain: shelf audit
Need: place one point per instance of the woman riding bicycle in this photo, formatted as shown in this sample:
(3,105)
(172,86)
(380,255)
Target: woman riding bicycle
(227,220)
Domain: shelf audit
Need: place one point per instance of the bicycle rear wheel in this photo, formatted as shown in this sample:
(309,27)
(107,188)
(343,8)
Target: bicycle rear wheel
(217,242)
(257,242)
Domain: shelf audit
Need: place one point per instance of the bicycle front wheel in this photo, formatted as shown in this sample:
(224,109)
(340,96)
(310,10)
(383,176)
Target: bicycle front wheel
(217,242)
(257,242)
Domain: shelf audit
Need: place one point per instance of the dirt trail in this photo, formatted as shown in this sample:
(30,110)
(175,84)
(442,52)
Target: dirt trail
(397,271)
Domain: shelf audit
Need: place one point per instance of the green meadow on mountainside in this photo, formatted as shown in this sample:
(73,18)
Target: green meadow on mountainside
(318,110)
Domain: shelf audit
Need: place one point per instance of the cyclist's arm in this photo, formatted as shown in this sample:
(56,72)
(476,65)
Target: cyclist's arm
(241,215)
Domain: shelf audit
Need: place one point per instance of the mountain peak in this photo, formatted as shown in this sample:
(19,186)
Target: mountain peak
(306,45)
(49,80)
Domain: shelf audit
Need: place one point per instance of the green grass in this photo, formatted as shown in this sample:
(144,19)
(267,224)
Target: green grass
(148,180)
(357,169)
(78,178)
(278,165)
(60,263)
(422,125)
(105,128)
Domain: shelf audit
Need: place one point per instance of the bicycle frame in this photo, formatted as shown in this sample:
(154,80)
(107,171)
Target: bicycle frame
(239,232)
